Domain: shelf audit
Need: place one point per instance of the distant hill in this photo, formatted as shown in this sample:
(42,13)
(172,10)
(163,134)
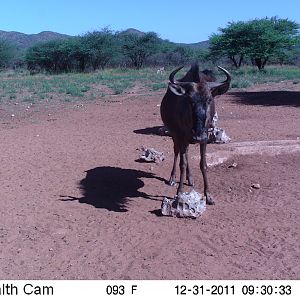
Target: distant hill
(23,41)
(133,31)
(201,45)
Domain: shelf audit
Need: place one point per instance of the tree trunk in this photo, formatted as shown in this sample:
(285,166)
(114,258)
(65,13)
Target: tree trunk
(258,63)
(264,62)
(234,61)
(81,64)
(241,60)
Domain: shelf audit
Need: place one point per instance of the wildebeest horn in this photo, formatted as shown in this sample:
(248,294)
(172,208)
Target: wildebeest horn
(171,77)
(219,88)
(228,76)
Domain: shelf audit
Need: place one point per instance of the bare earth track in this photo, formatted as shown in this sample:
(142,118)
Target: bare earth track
(75,203)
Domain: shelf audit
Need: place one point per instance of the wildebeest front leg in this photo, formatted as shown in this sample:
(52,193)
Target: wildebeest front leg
(172,180)
(203,168)
(182,166)
(189,176)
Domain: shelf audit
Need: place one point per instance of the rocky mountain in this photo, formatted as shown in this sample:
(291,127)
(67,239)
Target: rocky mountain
(201,45)
(23,41)
(133,31)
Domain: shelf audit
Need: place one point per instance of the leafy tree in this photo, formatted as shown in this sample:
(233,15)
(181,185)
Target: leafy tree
(36,58)
(259,39)
(283,57)
(174,54)
(58,56)
(271,38)
(50,56)
(233,42)
(6,53)
(100,46)
(92,50)
(181,55)
(201,55)
(79,54)
(139,48)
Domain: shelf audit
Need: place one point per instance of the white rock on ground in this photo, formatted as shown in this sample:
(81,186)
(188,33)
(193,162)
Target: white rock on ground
(151,155)
(189,205)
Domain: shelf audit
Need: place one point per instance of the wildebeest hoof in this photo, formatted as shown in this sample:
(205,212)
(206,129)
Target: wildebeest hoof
(190,181)
(210,200)
(172,182)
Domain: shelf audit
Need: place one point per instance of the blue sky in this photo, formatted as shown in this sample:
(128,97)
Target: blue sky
(186,21)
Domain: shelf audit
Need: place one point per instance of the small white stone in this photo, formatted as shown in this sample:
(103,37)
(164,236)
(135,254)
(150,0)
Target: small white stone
(233,165)
(255,186)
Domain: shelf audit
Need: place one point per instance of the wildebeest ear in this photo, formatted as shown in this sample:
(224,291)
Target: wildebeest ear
(177,89)
(217,88)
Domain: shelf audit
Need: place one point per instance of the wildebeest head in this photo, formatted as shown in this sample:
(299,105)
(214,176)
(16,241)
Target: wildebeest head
(201,96)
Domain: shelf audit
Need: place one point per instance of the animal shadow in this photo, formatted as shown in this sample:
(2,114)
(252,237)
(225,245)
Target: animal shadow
(155,130)
(111,187)
(269,98)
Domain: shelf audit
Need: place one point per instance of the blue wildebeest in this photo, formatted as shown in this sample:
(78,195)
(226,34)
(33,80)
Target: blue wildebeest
(189,101)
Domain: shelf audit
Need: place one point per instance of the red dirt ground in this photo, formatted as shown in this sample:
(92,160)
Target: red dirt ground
(75,203)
